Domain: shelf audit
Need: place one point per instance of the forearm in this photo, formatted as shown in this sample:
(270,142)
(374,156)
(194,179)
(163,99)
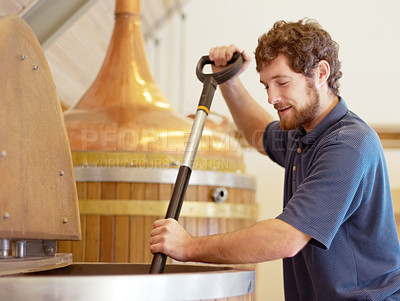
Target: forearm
(250,118)
(264,241)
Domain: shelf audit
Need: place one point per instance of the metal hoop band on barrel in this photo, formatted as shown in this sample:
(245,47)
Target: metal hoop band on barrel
(162,175)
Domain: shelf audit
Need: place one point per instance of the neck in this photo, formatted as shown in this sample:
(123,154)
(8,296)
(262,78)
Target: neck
(327,103)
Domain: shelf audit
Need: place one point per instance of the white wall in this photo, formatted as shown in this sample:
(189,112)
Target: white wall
(368,35)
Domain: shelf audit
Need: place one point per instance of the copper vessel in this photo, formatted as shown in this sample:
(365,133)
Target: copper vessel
(127,142)
(125,120)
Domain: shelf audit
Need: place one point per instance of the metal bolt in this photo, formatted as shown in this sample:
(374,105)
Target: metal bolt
(48,250)
(6,215)
(3,153)
(61,173)
(220,194)
(4,248)
(36,67)
(175,163)
(23,57)
(65,220)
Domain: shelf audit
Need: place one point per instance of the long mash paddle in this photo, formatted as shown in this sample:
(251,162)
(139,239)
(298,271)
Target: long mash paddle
(210,83)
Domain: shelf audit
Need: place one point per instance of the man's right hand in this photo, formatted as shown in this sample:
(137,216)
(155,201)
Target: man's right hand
(170,238)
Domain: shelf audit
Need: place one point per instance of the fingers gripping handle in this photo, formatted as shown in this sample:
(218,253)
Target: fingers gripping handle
(222,76)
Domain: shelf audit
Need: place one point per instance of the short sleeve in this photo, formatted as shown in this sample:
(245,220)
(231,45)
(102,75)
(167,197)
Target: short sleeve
(275,142)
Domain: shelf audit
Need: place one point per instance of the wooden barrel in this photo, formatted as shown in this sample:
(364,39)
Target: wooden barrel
(118,206)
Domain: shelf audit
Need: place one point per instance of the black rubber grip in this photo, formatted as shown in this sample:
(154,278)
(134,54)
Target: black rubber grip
(222,76)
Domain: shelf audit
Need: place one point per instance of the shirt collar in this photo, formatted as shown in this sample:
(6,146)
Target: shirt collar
(337,113)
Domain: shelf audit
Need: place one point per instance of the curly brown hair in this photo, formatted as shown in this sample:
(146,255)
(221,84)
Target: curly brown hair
(304,43)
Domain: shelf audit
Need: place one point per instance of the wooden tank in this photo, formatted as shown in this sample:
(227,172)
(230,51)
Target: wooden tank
(127,142)
(38,197)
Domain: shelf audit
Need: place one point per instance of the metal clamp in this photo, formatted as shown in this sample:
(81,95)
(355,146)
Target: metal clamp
(19,248)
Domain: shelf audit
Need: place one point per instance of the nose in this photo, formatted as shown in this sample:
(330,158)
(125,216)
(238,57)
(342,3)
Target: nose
(273,96)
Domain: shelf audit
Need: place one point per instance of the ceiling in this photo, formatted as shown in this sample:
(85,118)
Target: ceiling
(74,35)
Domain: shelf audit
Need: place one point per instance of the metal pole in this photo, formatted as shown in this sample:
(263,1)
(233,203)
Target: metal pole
(210,82)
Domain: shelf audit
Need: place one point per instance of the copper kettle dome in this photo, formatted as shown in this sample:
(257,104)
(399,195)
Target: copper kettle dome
(124,118)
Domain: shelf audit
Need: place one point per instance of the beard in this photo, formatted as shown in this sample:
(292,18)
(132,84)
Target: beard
(305,114)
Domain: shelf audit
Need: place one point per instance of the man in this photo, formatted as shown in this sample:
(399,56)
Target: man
(337,233)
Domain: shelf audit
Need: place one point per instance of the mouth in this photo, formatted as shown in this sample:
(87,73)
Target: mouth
(283,110)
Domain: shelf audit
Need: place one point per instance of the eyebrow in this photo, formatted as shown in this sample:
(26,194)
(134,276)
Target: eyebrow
(275,77)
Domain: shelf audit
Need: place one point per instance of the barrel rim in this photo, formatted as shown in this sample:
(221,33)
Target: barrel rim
(162,287)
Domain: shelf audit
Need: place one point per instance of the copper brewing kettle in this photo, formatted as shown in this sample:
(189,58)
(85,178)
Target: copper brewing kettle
(125,120)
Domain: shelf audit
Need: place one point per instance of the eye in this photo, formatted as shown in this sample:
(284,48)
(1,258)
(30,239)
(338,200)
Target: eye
(282,84)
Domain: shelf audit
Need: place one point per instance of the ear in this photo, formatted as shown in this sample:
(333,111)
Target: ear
(322,72)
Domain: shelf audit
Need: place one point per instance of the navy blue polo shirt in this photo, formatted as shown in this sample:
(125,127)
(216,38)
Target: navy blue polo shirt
(337,191)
